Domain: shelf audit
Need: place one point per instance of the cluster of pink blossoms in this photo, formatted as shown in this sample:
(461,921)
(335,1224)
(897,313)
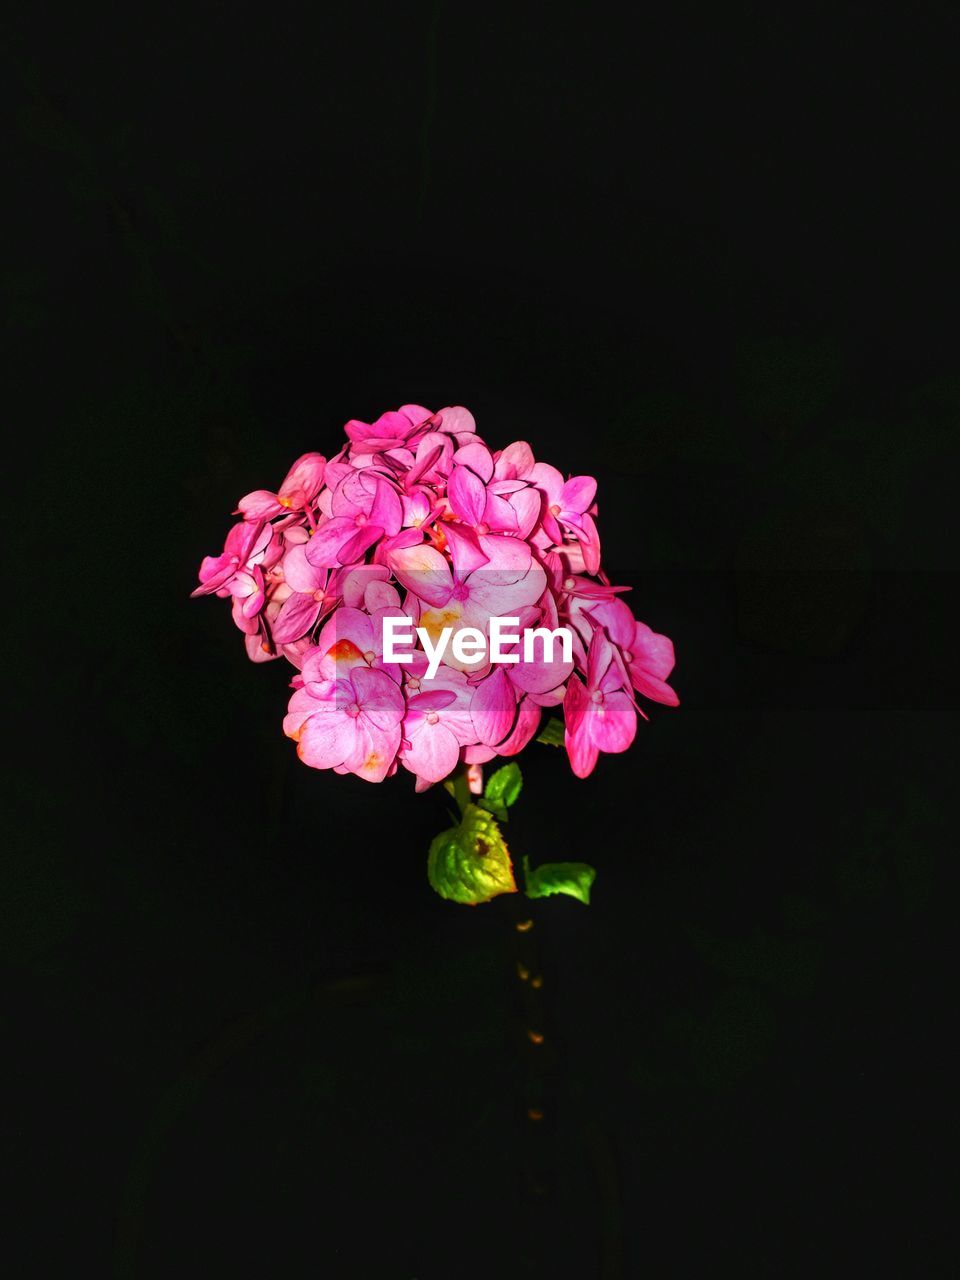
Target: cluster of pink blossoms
(416,517)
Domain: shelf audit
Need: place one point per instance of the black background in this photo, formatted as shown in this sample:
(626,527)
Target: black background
(705,257)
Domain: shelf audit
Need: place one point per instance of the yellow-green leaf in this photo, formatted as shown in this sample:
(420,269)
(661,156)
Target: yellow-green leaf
(470,863)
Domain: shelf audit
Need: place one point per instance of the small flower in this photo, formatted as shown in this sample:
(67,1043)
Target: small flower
(366,506)
(647,656)
(351,723)
(302,484)
(437,725)
(599,713)
(237,570)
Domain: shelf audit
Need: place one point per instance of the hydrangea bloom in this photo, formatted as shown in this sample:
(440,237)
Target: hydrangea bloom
(417,517)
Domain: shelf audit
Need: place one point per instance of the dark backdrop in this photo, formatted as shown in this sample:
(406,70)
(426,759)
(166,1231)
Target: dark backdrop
(703,257)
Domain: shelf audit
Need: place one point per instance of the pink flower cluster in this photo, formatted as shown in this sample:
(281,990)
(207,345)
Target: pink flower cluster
(417,517)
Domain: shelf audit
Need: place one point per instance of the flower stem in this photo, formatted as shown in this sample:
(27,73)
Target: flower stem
(461,787)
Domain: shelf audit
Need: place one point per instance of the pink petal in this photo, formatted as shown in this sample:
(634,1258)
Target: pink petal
(612,724)
(494,707)
(381,596)
(300,707)
(323,548)
(304,478)
(337,653)
(581,752)
(354,494)
(548,522)
(295,534)
(653,652)
(575,705)
(478,458)
(248,623)
(326,739)
(577,494)
(466,553)
(374,750)
(389,426)
(528,722)
(466,495)
(497,593)
(378,592)
(256,543)
(590,545)
(356,547)
(416,414)
(351,626)
(258,650)
(515,461)
(426,460)
(509,557)
(215,572)
(431,700)
(614,615)
(260,505)
(457,421)
(650,687)
(424,572)
(378,696)
(299,573)
(527,503)
(498,514)
(548,479)
(386,509)
(433,751)
(429,460)
(599,657)
(297,615)
(416,508)
(539,676)
(405,538)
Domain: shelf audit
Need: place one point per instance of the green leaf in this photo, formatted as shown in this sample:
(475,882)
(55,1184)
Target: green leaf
(571,878)
(470,863)
(552,732)
(502,790)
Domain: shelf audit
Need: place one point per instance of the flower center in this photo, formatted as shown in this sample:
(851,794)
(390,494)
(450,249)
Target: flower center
(596,696)
(483,529)
(554,509)
(361,518)
(431,717)
(413,683)
(627,655)
(353,711)
(369,657)
(568,584)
